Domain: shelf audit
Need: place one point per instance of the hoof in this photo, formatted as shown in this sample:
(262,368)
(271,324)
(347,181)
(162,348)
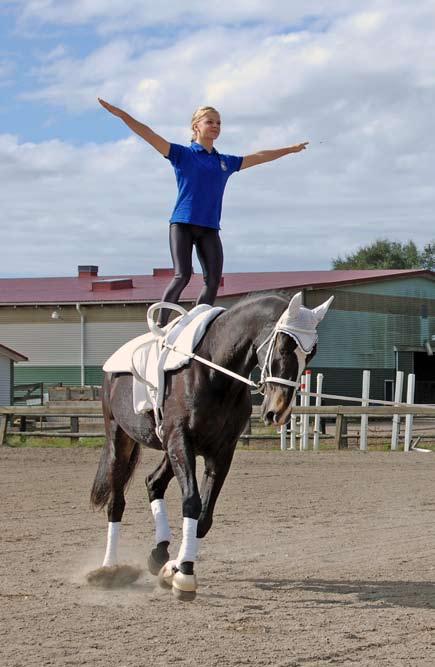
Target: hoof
(166,574)
(184,586)
(157,559)
(183,596)
(116,576)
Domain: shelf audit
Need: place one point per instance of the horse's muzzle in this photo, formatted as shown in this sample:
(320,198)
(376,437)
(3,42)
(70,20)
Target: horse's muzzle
(277,409)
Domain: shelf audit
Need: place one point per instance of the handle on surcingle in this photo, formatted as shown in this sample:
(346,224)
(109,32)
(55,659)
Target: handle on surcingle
(153,326)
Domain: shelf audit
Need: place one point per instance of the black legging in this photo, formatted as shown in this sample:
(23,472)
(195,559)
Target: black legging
(182,238)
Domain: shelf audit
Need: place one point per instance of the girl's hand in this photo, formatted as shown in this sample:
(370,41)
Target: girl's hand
(300,147)
(115,110)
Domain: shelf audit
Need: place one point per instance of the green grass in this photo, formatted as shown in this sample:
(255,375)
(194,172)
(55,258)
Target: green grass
(17,441)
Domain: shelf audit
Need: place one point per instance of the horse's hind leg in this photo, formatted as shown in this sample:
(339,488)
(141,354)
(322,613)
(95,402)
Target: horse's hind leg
(117,463)
(126,452)
(157,483)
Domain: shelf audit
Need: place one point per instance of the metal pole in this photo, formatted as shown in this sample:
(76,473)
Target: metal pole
(319,385)
(364,418)
(409,418)
(306,418)
(398,390)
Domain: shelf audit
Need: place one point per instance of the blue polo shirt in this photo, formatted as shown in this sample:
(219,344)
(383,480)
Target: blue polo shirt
(201,179)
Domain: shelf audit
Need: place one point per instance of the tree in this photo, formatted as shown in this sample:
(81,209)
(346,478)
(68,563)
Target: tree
(428,256)
(385,254)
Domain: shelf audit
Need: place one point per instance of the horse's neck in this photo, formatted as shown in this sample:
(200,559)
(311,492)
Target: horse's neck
(237,334)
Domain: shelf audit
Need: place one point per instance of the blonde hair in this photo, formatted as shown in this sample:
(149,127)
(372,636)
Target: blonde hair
(200,113)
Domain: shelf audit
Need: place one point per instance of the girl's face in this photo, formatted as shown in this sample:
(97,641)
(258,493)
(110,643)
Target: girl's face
(208,127)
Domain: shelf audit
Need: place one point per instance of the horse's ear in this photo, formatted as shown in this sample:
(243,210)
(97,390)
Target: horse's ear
(320,311)
(294,306)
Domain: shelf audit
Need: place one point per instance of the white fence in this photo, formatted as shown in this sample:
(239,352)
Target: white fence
(300,432)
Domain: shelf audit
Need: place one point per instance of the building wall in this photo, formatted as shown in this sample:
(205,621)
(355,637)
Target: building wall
(365,340)
(415,287)
(348,381)
(53,346)
(5,380)
(361,331)
(372,327)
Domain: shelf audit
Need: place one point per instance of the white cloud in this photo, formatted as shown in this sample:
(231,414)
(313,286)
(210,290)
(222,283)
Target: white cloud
(115,16)
(64,205)
(363,84)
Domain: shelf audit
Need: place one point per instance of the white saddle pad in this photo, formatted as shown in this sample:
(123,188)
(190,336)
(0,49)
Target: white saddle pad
(147,358)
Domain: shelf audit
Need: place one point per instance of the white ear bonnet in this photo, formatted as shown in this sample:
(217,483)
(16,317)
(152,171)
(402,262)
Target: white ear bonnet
(301,323)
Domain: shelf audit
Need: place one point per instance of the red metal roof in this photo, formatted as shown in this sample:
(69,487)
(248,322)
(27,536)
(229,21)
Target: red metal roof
(149,288)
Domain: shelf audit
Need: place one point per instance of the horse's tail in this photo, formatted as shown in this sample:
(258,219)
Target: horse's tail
(102,487)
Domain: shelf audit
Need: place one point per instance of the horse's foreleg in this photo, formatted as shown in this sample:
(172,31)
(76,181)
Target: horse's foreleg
(157,483)
(215,474)
(179,573)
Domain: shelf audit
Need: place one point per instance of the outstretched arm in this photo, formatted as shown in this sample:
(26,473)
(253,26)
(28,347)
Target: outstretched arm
(268,156)
(142,130)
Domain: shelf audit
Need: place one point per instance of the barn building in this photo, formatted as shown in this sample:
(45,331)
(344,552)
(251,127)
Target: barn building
(7,359)
(380,320)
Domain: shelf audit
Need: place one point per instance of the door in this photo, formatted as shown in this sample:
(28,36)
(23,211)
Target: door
(424,369)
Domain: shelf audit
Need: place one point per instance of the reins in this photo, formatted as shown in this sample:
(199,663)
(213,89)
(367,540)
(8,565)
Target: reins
(216,367)
(257,387)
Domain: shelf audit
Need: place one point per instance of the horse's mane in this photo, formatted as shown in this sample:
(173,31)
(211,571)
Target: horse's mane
(255,296)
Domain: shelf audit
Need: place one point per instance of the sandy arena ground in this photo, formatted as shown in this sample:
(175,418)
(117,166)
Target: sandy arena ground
(314,559)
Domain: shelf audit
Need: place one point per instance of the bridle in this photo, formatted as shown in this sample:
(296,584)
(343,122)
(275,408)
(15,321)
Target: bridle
(292,331)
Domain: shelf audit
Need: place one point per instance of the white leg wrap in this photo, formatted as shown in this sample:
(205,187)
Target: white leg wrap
(163,531)
(111,557)
(189,545)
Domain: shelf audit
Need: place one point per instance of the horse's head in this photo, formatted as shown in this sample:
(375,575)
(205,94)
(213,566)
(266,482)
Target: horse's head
(292,345)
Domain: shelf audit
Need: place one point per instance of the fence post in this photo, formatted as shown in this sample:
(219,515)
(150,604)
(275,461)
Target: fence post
(74,427)
(3,428)
(306,418)
(396,418)
(293,432)
(410,389)
(248,430)
(338,430)
(344,440)
(301,421)
(364,418)
(319,386)
(283,437)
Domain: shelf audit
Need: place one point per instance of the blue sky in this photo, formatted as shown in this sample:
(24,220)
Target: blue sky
(80,188)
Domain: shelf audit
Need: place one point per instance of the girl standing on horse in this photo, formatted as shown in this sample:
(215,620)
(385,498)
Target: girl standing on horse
(201,174)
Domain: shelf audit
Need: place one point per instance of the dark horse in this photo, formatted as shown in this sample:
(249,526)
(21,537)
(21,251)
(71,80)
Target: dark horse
(205,412)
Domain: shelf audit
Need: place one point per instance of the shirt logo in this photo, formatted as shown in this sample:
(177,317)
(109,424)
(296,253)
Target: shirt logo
(224,166)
